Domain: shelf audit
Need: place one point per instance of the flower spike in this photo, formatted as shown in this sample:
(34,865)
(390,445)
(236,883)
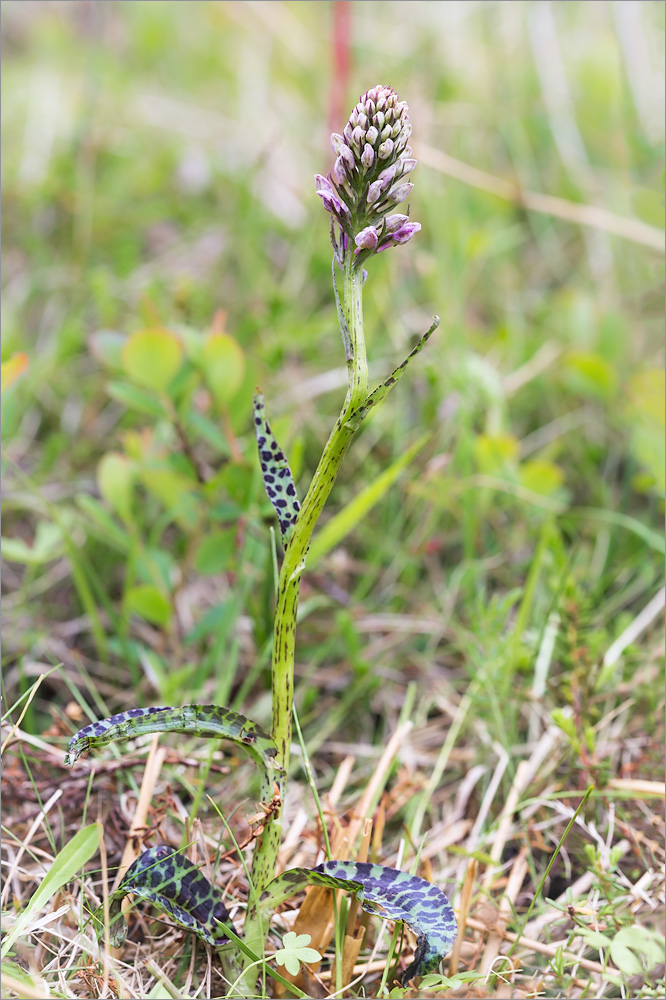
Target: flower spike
(367,180)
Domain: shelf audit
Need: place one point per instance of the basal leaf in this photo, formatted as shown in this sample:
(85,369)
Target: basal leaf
(276,473)
(195,720)
(166,878)
(387,892)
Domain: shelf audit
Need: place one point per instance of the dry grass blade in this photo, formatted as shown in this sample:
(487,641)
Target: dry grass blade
(516,878)
(534,201)
(134,843)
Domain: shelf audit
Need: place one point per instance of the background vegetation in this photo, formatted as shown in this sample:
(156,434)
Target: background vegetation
(503,596)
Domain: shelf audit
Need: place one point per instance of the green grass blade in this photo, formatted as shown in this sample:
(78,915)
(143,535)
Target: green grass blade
(67,864)
(343,523)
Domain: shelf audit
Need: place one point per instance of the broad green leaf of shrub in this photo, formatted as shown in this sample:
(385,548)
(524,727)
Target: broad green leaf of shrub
(496,453)
(47,546)
(152,357)
(106,346)
(541,476)
(150,603)
(295,950)
(115,479)
(12,369)
(223,364)
(65,867)
(214,552)
(590,375)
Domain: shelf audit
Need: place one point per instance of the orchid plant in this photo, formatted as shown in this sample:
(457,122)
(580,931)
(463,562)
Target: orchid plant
(366,184)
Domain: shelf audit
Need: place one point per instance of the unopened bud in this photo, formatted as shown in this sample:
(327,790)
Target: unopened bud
(367,239)
(399,193)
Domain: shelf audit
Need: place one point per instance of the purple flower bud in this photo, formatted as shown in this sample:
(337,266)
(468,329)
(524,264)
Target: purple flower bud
(333,204)
(385,149)
(378,187)
(379,118)
(387,175)
(374,192)
(348,129)
(372,135)
(367,156)
(337,142)
(407,166)
(394,222)
(348,157)
(403,138)
(367,239)
(362,119)
(399,193)
(322,183)
(358,137)
(339,171)
(403,235)
(386,133)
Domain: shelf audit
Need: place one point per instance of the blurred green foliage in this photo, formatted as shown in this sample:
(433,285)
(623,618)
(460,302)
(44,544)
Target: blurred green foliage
(164,252)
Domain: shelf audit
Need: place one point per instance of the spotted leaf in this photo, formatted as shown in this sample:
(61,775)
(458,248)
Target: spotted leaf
(387,892)
(164,877)
(197,720)
(278,480)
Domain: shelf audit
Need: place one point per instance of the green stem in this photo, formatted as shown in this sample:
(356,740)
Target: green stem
(293,564)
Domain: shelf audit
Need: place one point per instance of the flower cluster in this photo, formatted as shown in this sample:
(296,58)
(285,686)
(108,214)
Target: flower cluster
(367,181)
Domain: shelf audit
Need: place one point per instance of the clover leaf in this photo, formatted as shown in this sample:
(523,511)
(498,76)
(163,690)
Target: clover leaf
(294,950)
